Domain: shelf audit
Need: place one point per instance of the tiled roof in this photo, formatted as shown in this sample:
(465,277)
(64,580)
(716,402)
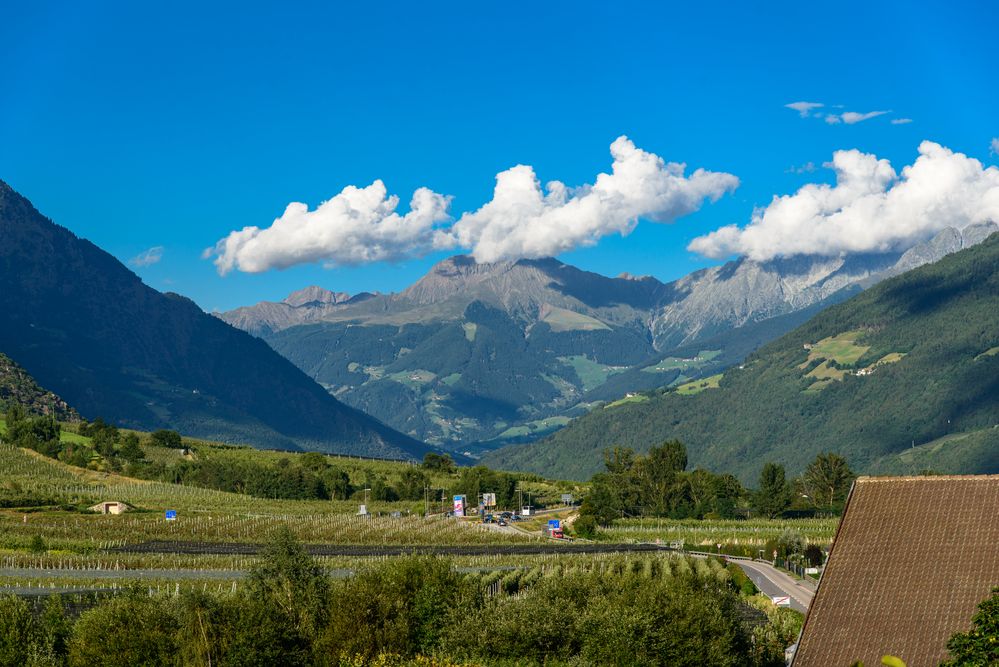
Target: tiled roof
(912,559)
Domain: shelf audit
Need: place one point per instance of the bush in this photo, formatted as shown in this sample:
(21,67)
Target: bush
(814,555)
(585,526)
(125,631)
(741,582)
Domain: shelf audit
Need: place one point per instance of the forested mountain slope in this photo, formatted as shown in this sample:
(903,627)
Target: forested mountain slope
(901,377)
(88,329)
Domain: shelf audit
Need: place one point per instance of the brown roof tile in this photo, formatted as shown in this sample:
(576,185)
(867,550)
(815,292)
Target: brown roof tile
(912,559)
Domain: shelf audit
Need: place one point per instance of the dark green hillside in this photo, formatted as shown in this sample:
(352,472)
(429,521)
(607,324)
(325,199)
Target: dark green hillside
(910,364)
(19,388)
(88,329)
(464,379)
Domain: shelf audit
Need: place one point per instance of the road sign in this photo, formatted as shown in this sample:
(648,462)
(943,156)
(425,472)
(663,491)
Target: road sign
(782,600)
(171,515)
(489,499)
(459,505)
(554,524)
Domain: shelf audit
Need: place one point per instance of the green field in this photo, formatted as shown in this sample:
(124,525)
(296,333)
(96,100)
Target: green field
(560,319)
(538,426)
(675,363)
(697,386)
(591,373)
(413,379)
(841,348)
(634,398)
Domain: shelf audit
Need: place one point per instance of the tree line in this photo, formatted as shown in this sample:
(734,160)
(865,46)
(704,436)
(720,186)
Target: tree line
(658,484)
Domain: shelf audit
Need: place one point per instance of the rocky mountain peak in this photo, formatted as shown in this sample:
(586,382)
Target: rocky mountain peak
(314,295)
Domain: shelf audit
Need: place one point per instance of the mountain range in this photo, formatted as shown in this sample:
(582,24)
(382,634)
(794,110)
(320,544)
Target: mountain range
(88,329)
(901,378)
(473,356)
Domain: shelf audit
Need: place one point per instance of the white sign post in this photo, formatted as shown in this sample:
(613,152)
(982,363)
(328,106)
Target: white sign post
(782,600)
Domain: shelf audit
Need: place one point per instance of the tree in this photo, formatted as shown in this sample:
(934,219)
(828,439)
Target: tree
(165,438)
(585,526)
(827,480)
(15,415)
(412,484)
(291,581)
(657,476)
(774,494)
(337,483)
(130,449)
(980,645)
(438,462)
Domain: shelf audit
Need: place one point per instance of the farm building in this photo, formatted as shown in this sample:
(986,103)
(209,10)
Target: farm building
(110,507)
(912,559)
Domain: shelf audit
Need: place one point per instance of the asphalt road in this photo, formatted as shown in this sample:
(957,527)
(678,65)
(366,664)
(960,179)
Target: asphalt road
(773,582)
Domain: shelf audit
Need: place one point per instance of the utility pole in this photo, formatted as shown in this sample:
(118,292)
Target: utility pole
(426,500)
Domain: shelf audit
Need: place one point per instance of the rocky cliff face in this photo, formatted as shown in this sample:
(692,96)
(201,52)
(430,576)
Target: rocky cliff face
(744,291)
(19,388)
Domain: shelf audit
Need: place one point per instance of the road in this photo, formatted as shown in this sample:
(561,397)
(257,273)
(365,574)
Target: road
(772,582)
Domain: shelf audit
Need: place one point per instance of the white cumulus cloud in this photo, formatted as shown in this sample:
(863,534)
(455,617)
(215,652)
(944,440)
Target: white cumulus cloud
(804,108)
(870,208)
(524,220)
(147,257)
(357,226)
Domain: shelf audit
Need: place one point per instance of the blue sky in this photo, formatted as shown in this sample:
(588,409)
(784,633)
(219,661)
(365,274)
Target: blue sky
(141,126)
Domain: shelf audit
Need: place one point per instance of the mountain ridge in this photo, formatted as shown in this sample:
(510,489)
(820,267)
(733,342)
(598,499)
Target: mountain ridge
(83,325)
(903,374)
(570,338)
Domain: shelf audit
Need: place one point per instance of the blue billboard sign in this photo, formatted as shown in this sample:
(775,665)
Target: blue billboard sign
(171,515)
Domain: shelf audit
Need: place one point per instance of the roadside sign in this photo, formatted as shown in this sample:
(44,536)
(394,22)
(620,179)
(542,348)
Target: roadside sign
(171,515)
(567,499)
(489,499)
(459,505)
(782,600)
(554,524)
